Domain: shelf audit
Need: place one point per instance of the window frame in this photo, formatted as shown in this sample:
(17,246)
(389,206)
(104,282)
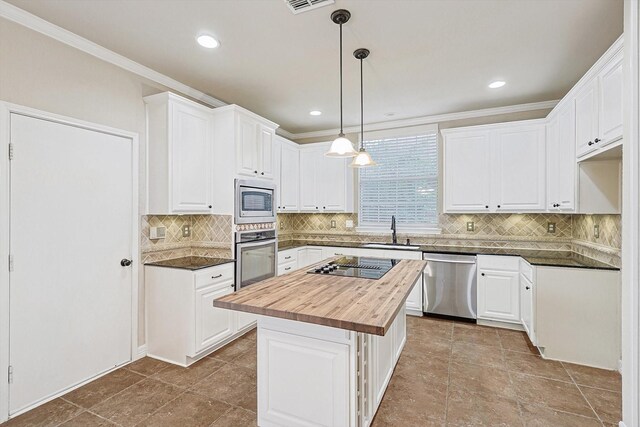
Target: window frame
(414,228)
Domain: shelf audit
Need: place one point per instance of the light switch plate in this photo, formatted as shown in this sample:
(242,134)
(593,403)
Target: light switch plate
(186,230)
(551,227)
(471,226)
(596,230)
(349,223)
(156,233)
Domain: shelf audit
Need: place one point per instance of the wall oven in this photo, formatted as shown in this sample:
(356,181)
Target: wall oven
(255,201)
(256,257)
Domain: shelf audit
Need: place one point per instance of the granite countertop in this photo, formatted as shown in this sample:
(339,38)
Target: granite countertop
(191,262)
(545,258)
(352,303)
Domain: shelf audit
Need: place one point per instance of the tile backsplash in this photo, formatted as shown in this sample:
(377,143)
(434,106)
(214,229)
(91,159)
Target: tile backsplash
(211,235)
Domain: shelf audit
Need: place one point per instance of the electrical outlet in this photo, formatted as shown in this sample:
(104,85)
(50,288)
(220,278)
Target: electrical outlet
(281,225)
(186,230)
(333,223)
(596,230)
(349,223)
(551,227)
(471,226)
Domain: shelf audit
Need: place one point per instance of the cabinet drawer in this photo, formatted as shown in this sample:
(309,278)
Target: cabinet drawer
(526,270)
(215,275)
(499,262)
(287,256)
(287,267)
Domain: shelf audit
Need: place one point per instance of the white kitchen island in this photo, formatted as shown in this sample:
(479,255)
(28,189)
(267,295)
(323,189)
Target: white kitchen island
(327,345)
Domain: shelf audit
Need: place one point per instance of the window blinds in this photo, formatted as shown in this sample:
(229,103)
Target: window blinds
(404,184)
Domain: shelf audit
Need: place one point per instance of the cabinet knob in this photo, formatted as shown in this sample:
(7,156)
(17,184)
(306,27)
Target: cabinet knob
(324,207)
(486,206)
(125,262)
(482,274)
(316,207)
(210,206)
(255,171)
(527,287)
(498,206)
(597,140)
(261,173)
(284,207)
(589,143)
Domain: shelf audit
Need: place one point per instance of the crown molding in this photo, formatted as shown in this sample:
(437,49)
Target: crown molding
(33,22)
(425,120)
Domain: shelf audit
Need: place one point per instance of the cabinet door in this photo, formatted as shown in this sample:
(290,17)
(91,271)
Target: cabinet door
(290,179)
(245,320)
(526,306)
(586,119)
(310,162)
(212,324)
(287,267)
(277,171)
(332,182)
(553,164)
(610,103)
(400,334)
(561,161)
(248,147)
(414,300)
(519,169)
(265,153)
(383,358)
(499,295)
(467,172)
(191,160)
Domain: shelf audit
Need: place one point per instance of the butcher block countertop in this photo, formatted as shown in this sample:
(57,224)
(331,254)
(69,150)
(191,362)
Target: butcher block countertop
(356,304)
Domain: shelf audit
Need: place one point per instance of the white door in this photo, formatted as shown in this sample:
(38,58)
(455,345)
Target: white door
(467,172)
(212,324)
(191,140)
(71,225)
(611,102)
(290,178)
(308,180)
(586,119)
(519,169)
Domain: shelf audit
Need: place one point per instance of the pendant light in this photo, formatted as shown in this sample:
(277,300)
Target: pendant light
(341,146)
(363,159)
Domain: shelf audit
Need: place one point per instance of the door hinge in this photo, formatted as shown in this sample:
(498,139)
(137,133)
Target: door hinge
(10,151)
(10,262)
(10,374)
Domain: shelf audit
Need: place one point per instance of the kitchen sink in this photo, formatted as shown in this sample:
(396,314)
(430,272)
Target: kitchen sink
(389,246)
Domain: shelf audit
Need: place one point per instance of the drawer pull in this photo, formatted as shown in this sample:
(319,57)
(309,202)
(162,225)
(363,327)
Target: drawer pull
(287,268)
(287,257)
(217,276)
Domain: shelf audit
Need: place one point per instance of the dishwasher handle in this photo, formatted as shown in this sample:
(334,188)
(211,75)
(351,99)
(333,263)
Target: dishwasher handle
(450,261)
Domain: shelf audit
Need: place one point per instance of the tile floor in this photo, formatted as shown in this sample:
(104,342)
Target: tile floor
(449,374)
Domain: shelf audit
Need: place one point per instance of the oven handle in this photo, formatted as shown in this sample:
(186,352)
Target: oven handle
(257,243)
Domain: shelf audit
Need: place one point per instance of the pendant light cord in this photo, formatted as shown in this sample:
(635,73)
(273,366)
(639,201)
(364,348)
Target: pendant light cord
(361,108)
(341,125)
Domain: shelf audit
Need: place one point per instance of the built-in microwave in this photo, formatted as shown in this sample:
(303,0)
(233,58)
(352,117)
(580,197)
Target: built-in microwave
(255,201)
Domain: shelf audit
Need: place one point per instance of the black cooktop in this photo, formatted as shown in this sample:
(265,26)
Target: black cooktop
(360,267)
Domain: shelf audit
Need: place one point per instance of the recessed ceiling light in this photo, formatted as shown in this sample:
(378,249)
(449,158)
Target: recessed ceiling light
(208,41)
(496,84)
(315,113)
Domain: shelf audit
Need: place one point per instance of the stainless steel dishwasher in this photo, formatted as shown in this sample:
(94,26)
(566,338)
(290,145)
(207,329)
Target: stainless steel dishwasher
(450,287)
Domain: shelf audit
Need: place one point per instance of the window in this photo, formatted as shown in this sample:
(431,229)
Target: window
(404,184)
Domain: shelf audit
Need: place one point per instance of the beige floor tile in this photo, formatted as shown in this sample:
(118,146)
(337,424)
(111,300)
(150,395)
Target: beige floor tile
(232,384)
(236,417)
(186,377)
(248,359)
(553,394)
(188,409)
(531,364)
(607,404)
(483,380)
(147,366)
(103,388)
(477,335)
(50,414)
(594,377)
(539,416)
(469,409)
(462,352)
(233,350)
(436,347)
(424,366)
(425,327)
(136,403)
(87,419)
(516,341)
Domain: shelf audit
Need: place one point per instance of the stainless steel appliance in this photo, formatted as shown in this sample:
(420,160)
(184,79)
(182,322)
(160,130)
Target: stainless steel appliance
(360,267)
(255,201)
(450,285)
(256,257)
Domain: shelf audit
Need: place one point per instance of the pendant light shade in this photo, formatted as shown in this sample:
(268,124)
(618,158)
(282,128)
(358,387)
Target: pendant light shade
(341,146)
(362,159)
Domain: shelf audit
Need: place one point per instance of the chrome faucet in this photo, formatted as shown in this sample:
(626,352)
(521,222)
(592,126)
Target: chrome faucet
(393,228)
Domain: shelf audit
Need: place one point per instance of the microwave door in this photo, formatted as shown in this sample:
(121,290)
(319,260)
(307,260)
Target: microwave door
(256,202)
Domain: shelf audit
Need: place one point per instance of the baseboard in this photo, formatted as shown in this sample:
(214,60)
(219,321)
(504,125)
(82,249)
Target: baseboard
(142,352)
(503,325)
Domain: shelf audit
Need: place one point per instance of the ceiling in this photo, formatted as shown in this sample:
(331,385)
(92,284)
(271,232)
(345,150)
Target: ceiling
(427,56)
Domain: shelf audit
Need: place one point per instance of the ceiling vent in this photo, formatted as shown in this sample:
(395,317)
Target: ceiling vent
(299,6)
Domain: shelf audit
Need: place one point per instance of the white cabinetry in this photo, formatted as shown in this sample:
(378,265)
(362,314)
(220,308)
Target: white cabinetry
(254,143)
(326,184)
(527,299)
(289,177)
(610,105)
(586,118)
(561,165)
(499,288)
(182,324)
(495,168)
(180,140)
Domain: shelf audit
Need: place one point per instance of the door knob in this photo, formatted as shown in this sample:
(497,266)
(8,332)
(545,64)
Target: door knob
(125,262)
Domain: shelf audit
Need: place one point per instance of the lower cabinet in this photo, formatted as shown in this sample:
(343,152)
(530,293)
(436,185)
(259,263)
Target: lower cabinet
(527,300)
(182,324)
(499,288)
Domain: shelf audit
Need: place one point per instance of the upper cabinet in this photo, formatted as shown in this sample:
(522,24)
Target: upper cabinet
(326,183)
(599,103)
(254,144)
(561,164)
(179,153)
(495,168)
(288,176)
